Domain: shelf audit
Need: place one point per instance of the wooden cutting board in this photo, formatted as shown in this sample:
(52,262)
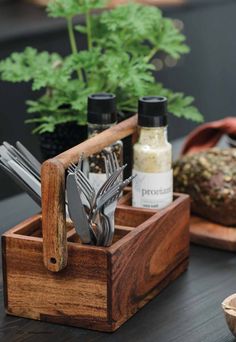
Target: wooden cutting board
(207,233)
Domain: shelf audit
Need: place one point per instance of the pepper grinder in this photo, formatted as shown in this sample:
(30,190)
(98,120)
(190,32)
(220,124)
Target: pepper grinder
(102,115)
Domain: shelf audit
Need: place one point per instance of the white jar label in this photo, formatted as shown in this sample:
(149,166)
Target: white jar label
(97,179)
(152,190)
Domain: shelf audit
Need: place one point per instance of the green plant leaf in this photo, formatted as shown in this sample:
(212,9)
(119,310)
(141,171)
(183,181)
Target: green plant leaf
(170,40)
(19,66)
(181,106)
(42,68)
(178,104)
(71,8)
(122,42)
(48,123)
(131,23)
(81,29)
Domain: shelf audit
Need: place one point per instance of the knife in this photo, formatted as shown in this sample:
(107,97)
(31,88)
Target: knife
(28,155)
(15,155)
(30,180)
(21,183)
(76,209)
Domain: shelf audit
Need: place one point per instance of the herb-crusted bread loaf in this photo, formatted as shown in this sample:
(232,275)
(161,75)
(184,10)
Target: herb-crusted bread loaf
(209,177)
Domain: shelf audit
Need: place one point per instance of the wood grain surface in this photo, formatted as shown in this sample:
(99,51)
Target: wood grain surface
(147,254)
(77,293)
(154,253)
(53,218)
(207,233)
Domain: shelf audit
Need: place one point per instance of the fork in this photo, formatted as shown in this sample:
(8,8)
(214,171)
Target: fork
(112,164)
(92,197)
(109,209)
(109,182)
(73,168)
(101,220)
(111,196)
(87,189)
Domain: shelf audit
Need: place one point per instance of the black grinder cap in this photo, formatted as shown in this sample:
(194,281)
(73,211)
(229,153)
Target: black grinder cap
(102,108)
(152,111)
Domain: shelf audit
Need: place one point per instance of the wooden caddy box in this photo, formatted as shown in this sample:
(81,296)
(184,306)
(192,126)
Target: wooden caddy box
(50,276)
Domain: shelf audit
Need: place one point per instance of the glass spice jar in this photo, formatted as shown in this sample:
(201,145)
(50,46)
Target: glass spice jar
(153,185)
(101,116)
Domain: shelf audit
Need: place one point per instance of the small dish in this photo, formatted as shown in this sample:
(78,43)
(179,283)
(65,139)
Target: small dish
(229,307)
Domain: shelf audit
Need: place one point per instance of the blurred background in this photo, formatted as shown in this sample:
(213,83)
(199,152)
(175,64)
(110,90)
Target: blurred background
(207,72)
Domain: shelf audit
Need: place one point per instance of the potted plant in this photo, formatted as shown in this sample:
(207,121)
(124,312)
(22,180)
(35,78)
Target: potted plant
(121,44)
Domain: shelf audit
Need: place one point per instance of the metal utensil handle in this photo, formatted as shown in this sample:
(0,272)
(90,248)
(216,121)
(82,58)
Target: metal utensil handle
(53,191)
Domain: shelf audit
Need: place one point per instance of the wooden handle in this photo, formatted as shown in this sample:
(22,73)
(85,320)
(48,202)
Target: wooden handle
(98,142)
(53,191)
(53,215)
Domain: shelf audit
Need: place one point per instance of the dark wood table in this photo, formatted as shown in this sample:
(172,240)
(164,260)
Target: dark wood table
(189,310)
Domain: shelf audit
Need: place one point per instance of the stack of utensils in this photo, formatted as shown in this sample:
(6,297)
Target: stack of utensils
(93,212)
(22,167)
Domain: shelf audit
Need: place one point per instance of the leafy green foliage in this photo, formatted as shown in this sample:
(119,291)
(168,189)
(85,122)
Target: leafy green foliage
(71,8)
(43,69)
(170,40)
(127,27)
(121,45)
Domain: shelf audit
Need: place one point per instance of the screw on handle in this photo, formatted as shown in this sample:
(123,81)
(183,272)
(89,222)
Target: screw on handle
(55,252)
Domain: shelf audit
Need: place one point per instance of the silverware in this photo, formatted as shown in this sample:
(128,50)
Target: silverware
(91,212)
(87,189)
(21,183)
(30,180)
(76,209)
(103,213)
(90,195)
(100,207)
(100,219)
(29,156)
(14,154)
(18,169)
(82,165)
(91,198)
(111,163)
(27,173)
(114,176)
(104,198)
(109,209)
